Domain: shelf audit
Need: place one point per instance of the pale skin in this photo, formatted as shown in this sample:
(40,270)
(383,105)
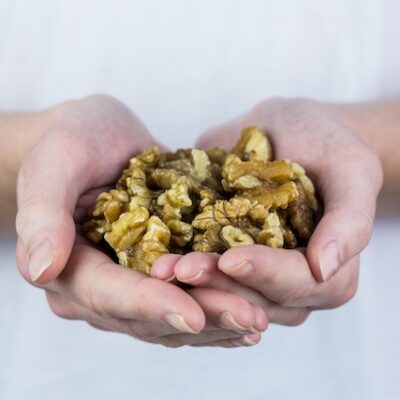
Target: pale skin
(71,152)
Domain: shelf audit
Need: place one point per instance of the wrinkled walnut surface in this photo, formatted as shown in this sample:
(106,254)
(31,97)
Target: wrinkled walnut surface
(195,200)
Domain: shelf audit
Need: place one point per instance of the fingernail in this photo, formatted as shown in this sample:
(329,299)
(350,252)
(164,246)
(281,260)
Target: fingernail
(177,321)
(247,341)
(251,340)
(244,341)
(196,277)
(171,278)
(329,260)
(40,259)
(227,321)
(242,269)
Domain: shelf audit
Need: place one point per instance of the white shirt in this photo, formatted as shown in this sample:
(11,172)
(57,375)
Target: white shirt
(184,66)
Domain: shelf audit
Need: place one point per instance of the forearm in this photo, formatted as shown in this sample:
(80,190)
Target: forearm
(18,133)
(378,124)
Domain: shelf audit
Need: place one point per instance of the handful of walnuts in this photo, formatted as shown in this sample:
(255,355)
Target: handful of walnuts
(195,200)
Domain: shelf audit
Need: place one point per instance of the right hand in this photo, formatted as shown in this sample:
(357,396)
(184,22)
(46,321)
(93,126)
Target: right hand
(80,156)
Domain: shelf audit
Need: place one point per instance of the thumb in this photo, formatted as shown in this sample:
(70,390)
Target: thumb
(349,184)
(86,150)
(48,188)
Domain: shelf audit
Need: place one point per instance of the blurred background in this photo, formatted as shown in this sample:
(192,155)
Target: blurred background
(183,67)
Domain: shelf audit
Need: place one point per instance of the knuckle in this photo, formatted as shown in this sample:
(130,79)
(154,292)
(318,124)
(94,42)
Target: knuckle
(298,317)
(60,308)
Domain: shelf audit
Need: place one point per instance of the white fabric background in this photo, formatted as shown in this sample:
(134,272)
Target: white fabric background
(184,66)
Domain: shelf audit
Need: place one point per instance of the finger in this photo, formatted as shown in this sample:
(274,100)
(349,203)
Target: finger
(66,162)
(206,274)
(179,340)
(226,344)
(195,268)
(149,332)
(92,280)
(229,311)
(284,277)
(244,341)
(68,309)
(201,270)
(349,182)
(163,267)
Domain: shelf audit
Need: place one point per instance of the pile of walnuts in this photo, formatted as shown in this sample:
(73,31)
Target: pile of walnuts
(195,200)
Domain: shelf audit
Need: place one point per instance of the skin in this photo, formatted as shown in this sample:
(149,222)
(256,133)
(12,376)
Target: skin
(81,153)
(289,284)
(234,293)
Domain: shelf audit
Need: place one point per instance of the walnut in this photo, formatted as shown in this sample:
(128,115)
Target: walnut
(253,145)
(217,155)
(152,245)
(108,208)
(209,240)
(270,172)
(201,165)
(233,237)
(174,201)
(204,201)
(278,197)
(306,182)
(144,161)
(127,230)
(301,214)
(272,232)
(224,212)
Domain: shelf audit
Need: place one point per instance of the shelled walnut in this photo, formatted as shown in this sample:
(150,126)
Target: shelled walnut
(195,200)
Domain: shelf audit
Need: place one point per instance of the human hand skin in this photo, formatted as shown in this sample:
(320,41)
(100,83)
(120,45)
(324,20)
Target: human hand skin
(288,284)
(18,132)
(80,155)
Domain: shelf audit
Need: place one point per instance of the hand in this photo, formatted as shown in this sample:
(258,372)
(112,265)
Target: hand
(80,156)
(348,177)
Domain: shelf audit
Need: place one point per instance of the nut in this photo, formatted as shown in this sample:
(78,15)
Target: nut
(195,200)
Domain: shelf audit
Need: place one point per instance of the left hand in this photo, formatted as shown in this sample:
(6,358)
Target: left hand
(288,284)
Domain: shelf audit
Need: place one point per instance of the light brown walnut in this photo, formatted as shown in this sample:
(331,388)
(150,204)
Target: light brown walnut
(152,245)
(253,145)
(209,201)
(234,237)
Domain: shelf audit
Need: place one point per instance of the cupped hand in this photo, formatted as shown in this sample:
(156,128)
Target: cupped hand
(80,156)
(348,177)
